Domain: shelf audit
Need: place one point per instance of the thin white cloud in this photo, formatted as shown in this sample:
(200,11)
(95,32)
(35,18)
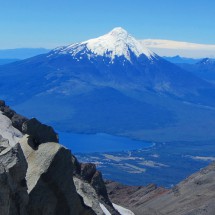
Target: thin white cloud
(185,49)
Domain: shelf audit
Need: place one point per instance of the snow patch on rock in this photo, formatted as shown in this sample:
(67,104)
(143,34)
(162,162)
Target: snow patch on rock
(122,210)
(104,209)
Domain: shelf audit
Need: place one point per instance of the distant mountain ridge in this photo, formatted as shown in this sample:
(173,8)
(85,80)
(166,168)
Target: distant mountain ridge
(6,61)
(204,68)
(179,60)
(117,55)
(21,53)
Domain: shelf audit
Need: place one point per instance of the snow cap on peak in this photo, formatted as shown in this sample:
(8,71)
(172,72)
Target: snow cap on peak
(117,42)
(119,31)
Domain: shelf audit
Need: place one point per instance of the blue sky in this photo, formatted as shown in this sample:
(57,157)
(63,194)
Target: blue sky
(50,23)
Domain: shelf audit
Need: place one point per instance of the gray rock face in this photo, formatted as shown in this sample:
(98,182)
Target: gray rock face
(50,181)
(13,189)
(39,132)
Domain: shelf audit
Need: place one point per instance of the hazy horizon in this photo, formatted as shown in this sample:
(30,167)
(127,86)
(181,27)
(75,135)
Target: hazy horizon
(52,23)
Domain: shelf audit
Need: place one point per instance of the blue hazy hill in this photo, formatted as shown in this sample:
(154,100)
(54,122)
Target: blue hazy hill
(21,53)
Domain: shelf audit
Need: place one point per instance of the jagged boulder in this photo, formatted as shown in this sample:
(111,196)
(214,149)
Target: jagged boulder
(4,143)
(87,178)
(76,166)
(39,132)
(7,111)
(13,189)
(50,180)
(16,119)
(87,170)
(98,183)
(89,195)
(2,104)
(49,187)
(8,131)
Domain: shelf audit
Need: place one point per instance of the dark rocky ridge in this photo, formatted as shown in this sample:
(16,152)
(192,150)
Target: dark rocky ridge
(132,197)
(37,178)
(39,132)
(88,173)
(16,119)
(193,196)
(13,189)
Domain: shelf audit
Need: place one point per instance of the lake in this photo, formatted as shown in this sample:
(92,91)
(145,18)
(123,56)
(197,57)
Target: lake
(89,143)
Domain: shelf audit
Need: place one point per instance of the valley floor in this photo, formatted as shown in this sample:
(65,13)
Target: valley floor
(165,164)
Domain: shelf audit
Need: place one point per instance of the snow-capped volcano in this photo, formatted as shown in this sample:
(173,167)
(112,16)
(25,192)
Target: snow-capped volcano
(111,84)
(116,43)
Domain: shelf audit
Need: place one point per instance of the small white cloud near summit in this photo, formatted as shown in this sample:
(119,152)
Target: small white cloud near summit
(184,49)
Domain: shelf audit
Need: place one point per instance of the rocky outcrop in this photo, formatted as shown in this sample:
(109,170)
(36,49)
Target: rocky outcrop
(8,131)
(50,180)
(87,173)
(89,195)
(13,189)
(16,119)
(39,132)
(36,176)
